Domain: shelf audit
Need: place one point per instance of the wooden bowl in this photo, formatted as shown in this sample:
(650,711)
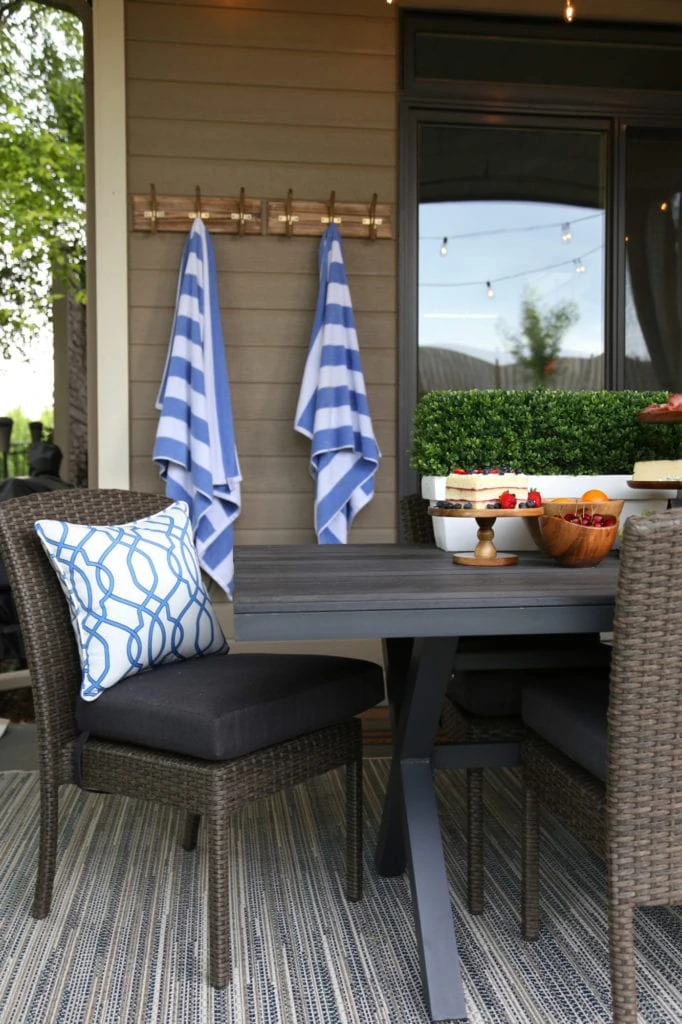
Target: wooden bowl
(604,508)
(577,547)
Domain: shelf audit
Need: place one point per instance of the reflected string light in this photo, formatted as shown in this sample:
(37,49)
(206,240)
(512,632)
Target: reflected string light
(444,247)
(664,206)
(576,263)
(521,229)
(490,291)
(569,11)
(566,234)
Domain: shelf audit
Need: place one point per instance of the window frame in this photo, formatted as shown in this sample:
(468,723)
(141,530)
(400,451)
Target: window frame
(430,101)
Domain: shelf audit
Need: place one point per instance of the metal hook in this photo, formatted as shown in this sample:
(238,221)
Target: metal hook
(242,216)
(287,210)
(330,206)
(153,213)
(373,218)
(198,212)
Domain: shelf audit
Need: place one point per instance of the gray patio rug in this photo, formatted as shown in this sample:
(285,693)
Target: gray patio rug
(126,939)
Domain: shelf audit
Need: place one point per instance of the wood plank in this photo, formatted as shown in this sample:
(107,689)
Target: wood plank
(259,142)
(261,512)
(349,7)
(181,62)
(254,402)
(261,327)
(157,288)
(263,254)
(229,27)
(263,365)
(269,438)
(225,177)
(259,105)
(276,476)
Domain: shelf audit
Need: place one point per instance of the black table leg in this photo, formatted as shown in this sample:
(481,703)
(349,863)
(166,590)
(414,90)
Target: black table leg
(410,818)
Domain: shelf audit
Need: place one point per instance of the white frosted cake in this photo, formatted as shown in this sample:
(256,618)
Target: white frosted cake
(482,487)
(661,469)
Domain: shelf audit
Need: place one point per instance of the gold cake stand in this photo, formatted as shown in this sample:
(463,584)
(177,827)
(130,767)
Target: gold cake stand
(485,552)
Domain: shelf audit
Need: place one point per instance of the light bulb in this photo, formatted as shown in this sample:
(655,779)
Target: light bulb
(579,266)
(490,290)
(569,11)
(664,206)
(566,235)
(444,247)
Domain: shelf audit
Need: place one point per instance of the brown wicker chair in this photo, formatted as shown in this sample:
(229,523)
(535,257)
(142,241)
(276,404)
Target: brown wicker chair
(483,701)
(206,789)
(616,779)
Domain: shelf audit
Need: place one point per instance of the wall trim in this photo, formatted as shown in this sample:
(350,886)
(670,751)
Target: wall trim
(110,424)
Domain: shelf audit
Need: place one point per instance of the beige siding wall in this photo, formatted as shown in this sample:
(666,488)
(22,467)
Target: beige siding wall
(291,95)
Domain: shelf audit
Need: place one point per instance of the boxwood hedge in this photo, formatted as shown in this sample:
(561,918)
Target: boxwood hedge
(539,432)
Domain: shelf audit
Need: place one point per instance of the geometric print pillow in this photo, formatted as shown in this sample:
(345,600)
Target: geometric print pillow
(135,594)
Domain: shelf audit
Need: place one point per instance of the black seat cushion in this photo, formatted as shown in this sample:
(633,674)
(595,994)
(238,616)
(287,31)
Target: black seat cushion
(490,672)
(571,717)
(220,707)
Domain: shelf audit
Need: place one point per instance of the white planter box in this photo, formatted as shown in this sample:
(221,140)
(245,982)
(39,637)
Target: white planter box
(453,534)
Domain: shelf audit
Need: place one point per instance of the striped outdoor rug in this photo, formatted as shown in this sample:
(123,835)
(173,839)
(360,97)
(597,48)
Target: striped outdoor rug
(126,939)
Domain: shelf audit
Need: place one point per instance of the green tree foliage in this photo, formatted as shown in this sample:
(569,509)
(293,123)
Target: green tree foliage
(538,344)
(42,166)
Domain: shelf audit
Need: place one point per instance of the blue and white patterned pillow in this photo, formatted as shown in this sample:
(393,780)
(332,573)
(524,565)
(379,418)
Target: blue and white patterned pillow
(135,594)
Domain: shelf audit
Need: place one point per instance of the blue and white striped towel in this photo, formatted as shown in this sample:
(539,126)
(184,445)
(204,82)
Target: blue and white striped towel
(332,405)
(194,446)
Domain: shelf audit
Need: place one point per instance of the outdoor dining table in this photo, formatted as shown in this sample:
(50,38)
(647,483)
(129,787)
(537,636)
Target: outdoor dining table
(400,592)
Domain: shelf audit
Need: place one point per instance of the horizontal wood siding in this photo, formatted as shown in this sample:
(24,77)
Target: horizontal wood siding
(288,94)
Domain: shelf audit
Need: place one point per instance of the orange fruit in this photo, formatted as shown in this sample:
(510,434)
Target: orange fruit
(594,495)
(559,500)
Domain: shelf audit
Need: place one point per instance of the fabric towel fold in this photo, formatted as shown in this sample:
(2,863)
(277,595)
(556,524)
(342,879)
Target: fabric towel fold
(332,406)
(195,447)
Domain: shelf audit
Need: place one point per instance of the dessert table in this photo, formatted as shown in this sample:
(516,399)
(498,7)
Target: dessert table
(399,593)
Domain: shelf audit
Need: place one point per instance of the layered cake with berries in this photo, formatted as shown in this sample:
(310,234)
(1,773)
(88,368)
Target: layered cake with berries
(483,486)
(658,470)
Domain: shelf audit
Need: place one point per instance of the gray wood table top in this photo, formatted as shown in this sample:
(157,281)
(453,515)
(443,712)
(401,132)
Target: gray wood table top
(393,590)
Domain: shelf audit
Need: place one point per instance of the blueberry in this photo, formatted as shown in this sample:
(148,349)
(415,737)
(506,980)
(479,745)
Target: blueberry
(498,504)
(491,504)
(522,504)
(467,504)
(457,504)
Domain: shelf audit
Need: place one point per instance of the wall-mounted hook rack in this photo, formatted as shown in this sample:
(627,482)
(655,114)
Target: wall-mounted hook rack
(310,217)
(227,216)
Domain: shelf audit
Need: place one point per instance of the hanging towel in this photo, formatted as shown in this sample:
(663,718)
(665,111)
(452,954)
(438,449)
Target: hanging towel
(194,446)
(332,405)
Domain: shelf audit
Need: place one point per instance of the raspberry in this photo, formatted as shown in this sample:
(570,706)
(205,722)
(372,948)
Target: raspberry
(507,500)
(534,499)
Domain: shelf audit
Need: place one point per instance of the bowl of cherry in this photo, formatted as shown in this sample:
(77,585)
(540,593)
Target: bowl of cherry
(576,534)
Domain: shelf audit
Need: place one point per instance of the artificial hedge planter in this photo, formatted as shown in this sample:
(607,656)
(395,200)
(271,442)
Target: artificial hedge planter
(539,432)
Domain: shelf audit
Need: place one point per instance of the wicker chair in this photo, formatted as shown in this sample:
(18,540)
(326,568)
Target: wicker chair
(616,779)
(206,789)
(483,701)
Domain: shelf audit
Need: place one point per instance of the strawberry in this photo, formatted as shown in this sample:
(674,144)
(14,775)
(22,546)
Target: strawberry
(534,496)
(459,470)
(507,500)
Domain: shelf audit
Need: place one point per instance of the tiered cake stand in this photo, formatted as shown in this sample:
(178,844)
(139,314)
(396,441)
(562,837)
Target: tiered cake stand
(660,416)
(485,552)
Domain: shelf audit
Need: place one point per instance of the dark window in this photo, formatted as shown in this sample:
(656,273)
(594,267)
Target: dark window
(544,161)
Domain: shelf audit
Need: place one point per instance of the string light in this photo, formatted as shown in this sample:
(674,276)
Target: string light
(509,231)
(566,234)
(569,11)
(490,291)
(664,206)
(444,247)
(577,263)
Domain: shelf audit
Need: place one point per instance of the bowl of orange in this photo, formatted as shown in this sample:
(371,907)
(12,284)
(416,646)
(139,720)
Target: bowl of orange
(577,532)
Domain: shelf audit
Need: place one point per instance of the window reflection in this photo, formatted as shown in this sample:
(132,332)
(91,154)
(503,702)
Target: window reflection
(511,259)
(653,320)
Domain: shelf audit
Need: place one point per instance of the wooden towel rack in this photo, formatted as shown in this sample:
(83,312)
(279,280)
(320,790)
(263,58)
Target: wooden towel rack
(242,216)
(231,216)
